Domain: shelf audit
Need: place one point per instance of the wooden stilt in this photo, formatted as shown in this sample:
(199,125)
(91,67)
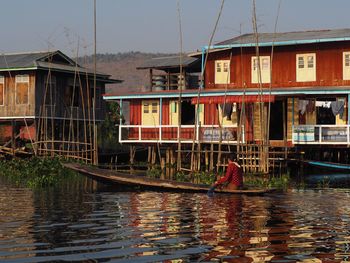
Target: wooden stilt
(211,164)
(149,157)
(206,157)
(13,141)
(132,156)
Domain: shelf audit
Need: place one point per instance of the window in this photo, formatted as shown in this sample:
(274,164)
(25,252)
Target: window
(346,65)
(306,67)
(154,107)
(2,89)
(222,71)
(150,113)
(22,89)
(145,108)
(264,69)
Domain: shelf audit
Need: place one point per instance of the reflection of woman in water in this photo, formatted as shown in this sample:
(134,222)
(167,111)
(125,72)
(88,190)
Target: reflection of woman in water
(233,179)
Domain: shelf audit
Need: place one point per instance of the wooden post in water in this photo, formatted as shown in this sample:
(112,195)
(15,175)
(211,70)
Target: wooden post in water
(211,160)
(132,157)
(167,163)
(13,140)
(154,156)
(149,157)
(206,156)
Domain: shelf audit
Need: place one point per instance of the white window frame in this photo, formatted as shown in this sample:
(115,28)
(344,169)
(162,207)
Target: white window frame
(265,71)
(305,73)
(2,81)
(346,66)
(222,76)
(21,79)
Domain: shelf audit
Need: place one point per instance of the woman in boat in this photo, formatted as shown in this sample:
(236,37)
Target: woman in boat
(233,180)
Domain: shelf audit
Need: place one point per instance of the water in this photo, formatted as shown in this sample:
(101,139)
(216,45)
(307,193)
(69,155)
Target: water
(86,221)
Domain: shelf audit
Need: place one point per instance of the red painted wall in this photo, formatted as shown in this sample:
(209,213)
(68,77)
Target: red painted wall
(329,65)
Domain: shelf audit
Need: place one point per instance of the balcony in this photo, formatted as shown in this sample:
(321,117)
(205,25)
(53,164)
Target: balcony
(321,134)
(175,81)
(173,134)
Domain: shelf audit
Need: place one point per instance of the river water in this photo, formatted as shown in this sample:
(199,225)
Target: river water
(85,221)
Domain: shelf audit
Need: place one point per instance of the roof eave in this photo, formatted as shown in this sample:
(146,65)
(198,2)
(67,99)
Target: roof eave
(279,43)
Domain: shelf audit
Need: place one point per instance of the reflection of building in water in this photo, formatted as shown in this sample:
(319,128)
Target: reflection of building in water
(161,216)
(16,211)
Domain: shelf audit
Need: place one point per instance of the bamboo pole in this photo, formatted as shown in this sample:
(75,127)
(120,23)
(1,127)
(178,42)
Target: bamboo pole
(179,104)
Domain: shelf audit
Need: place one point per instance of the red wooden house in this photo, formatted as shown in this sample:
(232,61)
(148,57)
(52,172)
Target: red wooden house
(303,77)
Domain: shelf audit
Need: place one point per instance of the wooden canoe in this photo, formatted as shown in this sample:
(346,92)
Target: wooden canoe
(111,176)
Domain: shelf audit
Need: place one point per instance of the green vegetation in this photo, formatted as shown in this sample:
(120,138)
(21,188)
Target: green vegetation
(35,172)
(279,182)
(324,183)
(154,172)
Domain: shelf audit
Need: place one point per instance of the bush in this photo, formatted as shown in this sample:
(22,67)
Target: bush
(34,172)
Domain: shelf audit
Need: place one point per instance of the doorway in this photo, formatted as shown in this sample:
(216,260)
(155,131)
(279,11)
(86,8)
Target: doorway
(276,130)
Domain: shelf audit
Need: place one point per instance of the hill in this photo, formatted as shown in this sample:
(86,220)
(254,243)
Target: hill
(123,66)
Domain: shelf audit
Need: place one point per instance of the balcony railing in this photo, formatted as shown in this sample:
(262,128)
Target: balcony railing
(321,134)
(173,81)
(172,134)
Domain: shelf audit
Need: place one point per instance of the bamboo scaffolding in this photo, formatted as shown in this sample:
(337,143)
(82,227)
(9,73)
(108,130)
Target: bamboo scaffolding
(202,79)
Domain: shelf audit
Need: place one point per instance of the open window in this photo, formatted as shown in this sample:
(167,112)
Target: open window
(264,69)
(188,113)
(227,114)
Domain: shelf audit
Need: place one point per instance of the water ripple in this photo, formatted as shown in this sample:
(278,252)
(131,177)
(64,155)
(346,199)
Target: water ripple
(86,224)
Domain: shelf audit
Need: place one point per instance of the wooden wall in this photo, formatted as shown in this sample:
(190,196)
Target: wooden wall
(62,107)
(329,65)
(10,108)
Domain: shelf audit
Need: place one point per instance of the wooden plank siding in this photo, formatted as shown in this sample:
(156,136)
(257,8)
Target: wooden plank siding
(12,109)
(290,116)
(61,105)
(329,66)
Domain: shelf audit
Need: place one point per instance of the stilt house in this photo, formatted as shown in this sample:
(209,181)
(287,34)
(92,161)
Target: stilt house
(301,78)
(46,98)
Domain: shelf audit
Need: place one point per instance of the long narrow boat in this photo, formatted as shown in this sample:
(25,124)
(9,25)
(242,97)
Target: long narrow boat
(111,176)
(330,166)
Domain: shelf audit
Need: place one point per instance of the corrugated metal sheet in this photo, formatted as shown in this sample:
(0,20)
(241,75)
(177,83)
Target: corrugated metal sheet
(168,62)
(35,60)
(288,36)
(24,60)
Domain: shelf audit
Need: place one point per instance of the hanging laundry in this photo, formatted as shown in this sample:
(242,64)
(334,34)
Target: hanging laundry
(226,110)
(338,108)
(302,106)
(323,104)
(310,107)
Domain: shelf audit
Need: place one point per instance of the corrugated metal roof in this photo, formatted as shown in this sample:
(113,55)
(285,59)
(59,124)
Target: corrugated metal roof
(40,60)
(21,60)
(168,62)
(316,35)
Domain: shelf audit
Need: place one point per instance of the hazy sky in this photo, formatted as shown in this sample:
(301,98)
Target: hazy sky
(152,25)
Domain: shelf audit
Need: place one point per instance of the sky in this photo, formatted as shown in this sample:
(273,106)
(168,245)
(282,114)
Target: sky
(153,25)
